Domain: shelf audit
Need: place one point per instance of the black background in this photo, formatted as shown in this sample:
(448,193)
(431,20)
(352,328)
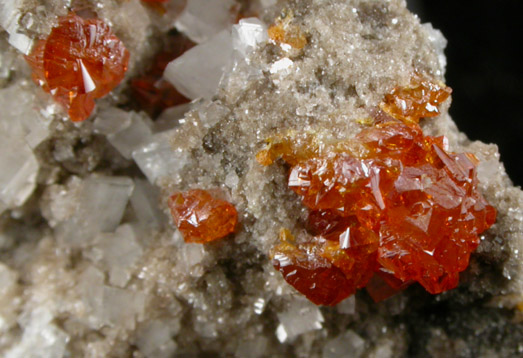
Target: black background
(484,64)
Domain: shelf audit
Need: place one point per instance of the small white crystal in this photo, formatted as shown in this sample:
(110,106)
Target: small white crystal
(121,308)
(100,208)
(169,118)
(190,257)
(302,316)
(145,202)
(202,19)
(124,130)
(41,338)
(9,19)
(156,158)
(154,340)
(248,34)
(120,252)
(19,116)
(348,344)
(90,286)
(19,171)
(197,73)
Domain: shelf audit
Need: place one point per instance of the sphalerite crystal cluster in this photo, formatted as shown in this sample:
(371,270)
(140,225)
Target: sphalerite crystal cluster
(247,168)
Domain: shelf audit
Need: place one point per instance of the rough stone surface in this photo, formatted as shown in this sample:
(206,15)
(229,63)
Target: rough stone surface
(90,267)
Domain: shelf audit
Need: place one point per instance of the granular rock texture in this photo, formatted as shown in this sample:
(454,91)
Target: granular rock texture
(91,263)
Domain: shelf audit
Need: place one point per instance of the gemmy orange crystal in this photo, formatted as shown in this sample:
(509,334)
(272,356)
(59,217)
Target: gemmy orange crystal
(391,202)
(80,61)
(420,100)
(201,217)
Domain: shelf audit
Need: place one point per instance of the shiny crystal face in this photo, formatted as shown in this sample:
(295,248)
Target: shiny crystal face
(80,61)
(202,218)
(391,202)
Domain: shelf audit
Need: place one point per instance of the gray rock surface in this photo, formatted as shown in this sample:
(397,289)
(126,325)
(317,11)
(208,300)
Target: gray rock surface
(90,264)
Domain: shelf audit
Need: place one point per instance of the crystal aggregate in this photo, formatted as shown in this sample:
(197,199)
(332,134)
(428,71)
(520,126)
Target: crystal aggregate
(90,262)
(391,201)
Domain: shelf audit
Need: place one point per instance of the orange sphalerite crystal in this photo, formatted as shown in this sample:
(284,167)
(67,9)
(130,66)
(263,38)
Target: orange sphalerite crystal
(401,206)
(80,61)
(202,218)
(421,99)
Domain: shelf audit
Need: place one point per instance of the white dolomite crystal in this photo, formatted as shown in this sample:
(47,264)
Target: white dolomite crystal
(197,73)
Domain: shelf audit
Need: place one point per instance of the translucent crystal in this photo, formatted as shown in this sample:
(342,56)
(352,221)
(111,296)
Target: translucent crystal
(124,130)
(19,170)
(190,259)
(348,344)
(197,73)
(20,117)
(41,337)
(170,118)
(202,19)
(248,34)
(105,305)
(154,340)
(122,308)
(119,253)
(300,317)
(10,15)
(156,158)
(145,202)
(101,203)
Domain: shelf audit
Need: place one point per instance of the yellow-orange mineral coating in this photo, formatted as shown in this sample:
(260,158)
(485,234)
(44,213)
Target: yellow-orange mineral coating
(202,218)
(399,205)
(80,61)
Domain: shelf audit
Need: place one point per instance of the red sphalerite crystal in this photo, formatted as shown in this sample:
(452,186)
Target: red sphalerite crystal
(80,61)
(391,202)
(201,217)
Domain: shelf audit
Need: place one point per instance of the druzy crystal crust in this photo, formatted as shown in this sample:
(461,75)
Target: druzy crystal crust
(201,217)
(80,61)
(391,202)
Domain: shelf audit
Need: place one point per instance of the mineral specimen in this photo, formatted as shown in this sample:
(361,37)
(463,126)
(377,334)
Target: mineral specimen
(202,218)
(391,200)
(91,266)
(80,60)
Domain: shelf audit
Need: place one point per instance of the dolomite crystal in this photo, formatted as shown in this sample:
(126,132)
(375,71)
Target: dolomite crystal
(91,264)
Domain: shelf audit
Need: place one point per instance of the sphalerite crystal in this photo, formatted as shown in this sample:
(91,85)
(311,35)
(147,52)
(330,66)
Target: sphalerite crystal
(201,217)
(80,61)
(391,202)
